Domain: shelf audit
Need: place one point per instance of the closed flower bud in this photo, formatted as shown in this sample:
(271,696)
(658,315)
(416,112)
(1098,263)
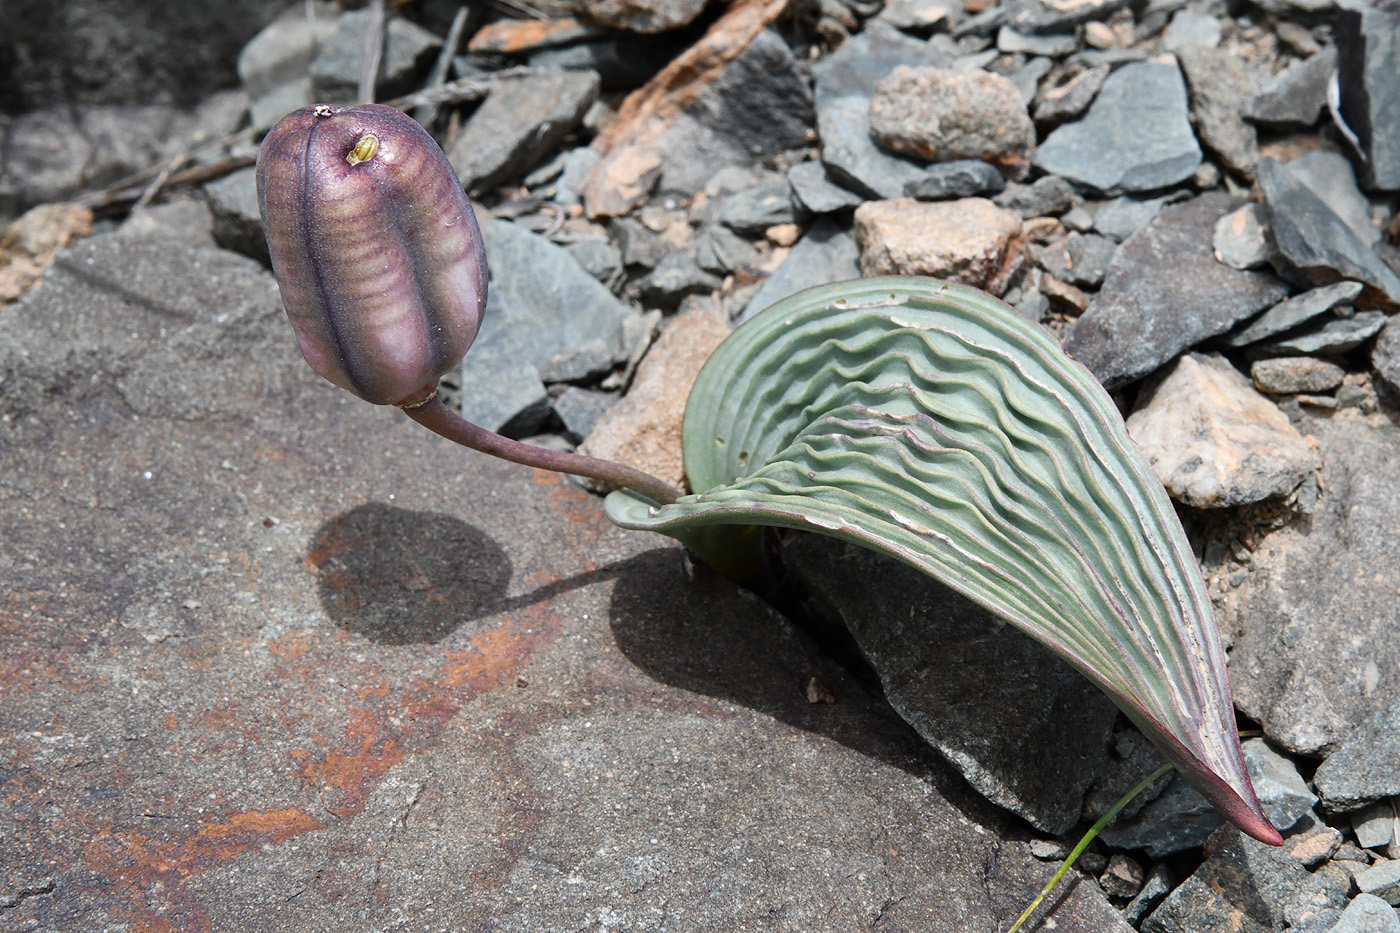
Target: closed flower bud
(375,248)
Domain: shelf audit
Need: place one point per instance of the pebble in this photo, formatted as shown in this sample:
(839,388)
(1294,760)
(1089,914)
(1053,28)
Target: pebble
(1382,880)
(1068,100)
(1122,878)
(1010,41)
(1330,338)
(1221,85)
(273,65)
(233,201)
(1068,298)
(646,18)
(826,253)
(643,430)
(1121,217)
(1136,135)
(580,410)
(1362,769)
(1374,824)
(1316,243)
(1046,196)
(677,274)
(1368,914)
(409,50)
(1158,885)
(522,120)
(1314,848)
(860,64)
(1295,97)
(1192,29)
(1213,440)
(967,241)
(1385,355)
(1369,88)
(814,189)
(1242,239)
(1164,292)
(720,250)
(853,159)
(1244,885)
(1082,259)
(1329,175)
(1289,374)
(940,115)
(756,208)
(1294,311)
(962,178)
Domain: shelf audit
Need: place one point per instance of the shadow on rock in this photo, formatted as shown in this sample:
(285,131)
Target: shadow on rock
(707,637)
(400,577)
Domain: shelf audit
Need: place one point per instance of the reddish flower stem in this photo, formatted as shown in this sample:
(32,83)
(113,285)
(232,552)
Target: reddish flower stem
(439,419)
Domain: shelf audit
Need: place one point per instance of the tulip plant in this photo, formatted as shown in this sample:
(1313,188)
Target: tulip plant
(922,419)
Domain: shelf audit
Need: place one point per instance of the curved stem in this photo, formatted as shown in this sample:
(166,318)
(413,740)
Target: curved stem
(439,419)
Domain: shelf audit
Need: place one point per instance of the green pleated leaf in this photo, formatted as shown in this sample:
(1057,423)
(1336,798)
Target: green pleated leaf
(931,422)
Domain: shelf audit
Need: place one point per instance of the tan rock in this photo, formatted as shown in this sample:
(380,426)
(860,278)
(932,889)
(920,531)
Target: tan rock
(942,114)
(28,246)
(970,241)
(1213,440)
(644,429)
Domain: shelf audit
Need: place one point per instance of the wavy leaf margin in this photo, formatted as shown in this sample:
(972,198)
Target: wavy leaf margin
(931,422)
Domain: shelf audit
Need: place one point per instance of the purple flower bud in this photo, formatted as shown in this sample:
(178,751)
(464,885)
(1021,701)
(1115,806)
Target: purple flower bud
(375,248)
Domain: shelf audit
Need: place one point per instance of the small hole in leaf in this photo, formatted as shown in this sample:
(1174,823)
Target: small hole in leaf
(743,459)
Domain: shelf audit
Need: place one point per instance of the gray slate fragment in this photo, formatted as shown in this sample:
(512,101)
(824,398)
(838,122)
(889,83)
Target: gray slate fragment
(579,162)
(1385,355)
(640,245)
(1363,768)
(867,58)
(1280,787)
(521,120)
(756,208)
(409,50)
(1244,885)
(1042,16)
(1221,85)
(233,200)
(1330,176)
(541,306)
(1339,335)
(1242,239)
(720,250)
(1368,44)
(851,156)
(599,257)
(814,189)
(273,66)
(1135,136)
(1315,244)
(1291,312)
(1165,293)
(962,178)
(502,393)
(1010,41)
(942,660)
(1192,29)
(1080,258)
(1382,880)
(1069,100)
(1158,885)
(1124,216)
(1027,78)
(1375,824)
(1295,97)
(580,410)
(1368,914)
(677,274)
(826,253)
(1045,197)
(1315,656)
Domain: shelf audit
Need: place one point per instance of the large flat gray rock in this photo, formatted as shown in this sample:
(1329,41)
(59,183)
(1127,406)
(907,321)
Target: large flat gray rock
(1317,652)
(275,659)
